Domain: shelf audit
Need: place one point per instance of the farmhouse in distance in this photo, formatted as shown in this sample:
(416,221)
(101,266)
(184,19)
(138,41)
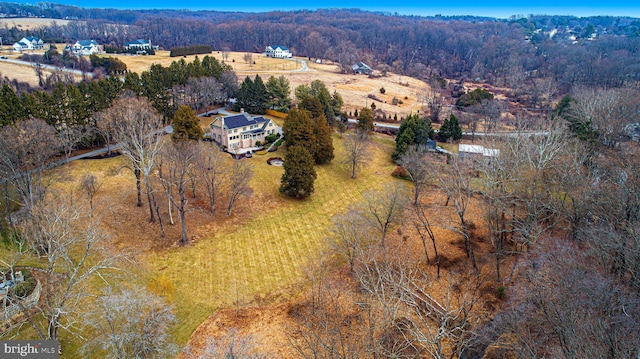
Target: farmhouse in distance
(278,51)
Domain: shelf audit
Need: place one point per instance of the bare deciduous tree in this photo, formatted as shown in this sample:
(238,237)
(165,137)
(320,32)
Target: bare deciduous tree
(356,147)
(131,323)
(349,236)
(230,345)
(211,166)
(90,185)
(455,181)
(384,208)
(74,254)
(137,129)
(178,158)
(239,178)
(414,162)
(248,58)
(25,150)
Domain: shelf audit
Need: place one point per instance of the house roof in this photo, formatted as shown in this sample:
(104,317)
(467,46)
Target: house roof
(32,38)
(87,43)
(361,66)
(477,149)
(242,119)
(283,48)
(138,42)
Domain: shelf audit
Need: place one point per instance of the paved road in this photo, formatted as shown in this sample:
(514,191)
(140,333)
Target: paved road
(479,134)
(48,67)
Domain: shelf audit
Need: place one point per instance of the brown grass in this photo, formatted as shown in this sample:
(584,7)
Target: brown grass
(31,23)
(353,88)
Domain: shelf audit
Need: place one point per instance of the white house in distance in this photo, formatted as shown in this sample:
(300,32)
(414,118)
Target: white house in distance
(239,133)
(278,51)
(138,45)
(84,47)
(29,43)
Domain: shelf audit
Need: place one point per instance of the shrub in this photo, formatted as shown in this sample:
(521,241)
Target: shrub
(400,102)
(258,143)
(501,292)
(394,101)
(382,90)
(271,138)
(400,172)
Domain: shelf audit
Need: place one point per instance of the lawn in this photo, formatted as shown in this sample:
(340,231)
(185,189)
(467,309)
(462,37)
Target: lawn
(263,258)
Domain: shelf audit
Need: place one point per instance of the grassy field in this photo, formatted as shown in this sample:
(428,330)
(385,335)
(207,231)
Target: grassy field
(262,259)
(30,23)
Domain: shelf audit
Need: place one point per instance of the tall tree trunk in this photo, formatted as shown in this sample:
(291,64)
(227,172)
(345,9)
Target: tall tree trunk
(151,201)
(183,218)
(138,174)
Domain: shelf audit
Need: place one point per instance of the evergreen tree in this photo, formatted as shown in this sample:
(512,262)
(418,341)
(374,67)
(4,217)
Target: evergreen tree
(260,97)
(299,174)
(323,149)
(278,89)
(186,125)
(413,131)
(456,130)
(244,94)
(11,110)
(444,133)
(298,129)
(365,120)
(450,129)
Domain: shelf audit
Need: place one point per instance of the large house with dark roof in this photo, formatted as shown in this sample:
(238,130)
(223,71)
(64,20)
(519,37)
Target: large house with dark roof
(28,43)
(240,133)
(278,51)
(139,45)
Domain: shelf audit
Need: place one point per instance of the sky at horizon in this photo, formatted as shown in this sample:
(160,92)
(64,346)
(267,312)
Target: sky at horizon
(496,8)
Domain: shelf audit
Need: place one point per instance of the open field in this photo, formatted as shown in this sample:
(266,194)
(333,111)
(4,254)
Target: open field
(30,23)
(353,88)
(261,258)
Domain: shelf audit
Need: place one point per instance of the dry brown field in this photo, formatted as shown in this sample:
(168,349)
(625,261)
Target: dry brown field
(353,88)
(30,23)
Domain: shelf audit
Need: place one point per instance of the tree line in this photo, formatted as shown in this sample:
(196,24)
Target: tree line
(495,51)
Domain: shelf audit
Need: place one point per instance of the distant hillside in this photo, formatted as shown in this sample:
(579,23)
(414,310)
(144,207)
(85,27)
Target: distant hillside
(590,51)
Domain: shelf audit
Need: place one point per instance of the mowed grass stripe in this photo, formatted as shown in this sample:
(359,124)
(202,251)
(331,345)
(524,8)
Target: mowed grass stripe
(267,254)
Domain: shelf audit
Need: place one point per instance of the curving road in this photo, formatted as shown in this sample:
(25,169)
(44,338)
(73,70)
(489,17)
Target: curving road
(48,67)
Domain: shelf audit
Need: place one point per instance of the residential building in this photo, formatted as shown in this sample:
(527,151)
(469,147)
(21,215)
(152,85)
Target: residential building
(139,45)
(29,43)
(278,51)
(84,47)
(240,133)
(361,68)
